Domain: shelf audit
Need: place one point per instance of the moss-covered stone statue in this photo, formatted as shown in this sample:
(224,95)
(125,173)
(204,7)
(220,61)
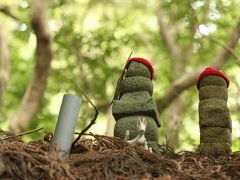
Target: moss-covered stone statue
(134,102)
(214,117)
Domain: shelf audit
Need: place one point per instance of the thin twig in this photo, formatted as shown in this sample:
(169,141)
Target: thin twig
(6,10)
(117,89)
(92,121)
(234,55)
(23,133)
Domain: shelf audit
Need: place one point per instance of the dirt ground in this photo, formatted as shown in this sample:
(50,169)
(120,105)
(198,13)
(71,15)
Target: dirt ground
(101,157)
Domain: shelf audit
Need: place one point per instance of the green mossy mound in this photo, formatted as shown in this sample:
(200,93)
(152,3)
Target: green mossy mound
(135,101)
(130,123)
(214,117)
(137,83)
(215,148)
(215,135)
(137,69)
(136,96)
(212,91)
(213,80)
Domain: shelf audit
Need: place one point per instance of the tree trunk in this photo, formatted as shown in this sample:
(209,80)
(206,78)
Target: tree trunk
(174,123)
(43,55)
(4,69)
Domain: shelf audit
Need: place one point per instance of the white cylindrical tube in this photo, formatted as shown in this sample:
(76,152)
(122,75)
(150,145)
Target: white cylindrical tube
(67,120)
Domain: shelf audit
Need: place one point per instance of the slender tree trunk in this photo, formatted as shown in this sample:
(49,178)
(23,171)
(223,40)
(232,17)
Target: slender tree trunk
(175,52)
(174,122)
(4,69)
(43,55)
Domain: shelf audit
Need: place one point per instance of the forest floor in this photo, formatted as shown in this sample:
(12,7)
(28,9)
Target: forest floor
(102,157)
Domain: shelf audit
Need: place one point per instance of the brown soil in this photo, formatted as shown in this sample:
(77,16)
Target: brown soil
(101,157)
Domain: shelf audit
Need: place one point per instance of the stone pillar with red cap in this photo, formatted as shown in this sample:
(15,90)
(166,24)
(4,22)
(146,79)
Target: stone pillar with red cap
(136,101)
(214,117)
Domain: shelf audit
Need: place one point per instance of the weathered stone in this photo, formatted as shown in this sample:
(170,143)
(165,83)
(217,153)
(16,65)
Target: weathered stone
(135,101)
(130,123)
(137,83)
(213,80)
(215,120)
(215,135)
(137,69)
(136,96)
(122,109)
(215,148)
(212,91)
(214,112)
(214,104)
(214,117)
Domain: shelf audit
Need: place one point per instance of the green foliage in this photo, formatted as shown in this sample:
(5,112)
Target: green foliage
(91,42)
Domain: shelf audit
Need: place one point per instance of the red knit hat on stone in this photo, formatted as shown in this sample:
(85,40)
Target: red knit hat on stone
(143,61)
(211,71)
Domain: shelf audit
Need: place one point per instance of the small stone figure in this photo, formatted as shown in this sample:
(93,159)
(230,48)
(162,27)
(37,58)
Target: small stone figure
(214,117)
(140,140)
(135,100)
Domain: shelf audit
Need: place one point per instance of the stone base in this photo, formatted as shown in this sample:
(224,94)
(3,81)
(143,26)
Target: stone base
(122,109)
(130,123)
(215,134)
(214,148)
(211,91)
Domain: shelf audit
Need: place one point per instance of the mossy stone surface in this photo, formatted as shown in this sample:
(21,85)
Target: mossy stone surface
(135,101)
(136,96)
(137,69)
(214,117)
(130,123)
(212,91)
(121,109)
(213,80)
(215,135)
(212,106)
(137,83)
(219,120)
(214,148)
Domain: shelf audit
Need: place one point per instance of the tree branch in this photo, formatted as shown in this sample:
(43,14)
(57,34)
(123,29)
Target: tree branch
(167,36)
(188,80)
(6,10)
(43,55)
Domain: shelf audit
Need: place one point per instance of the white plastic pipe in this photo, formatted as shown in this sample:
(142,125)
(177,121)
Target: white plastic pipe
(67,120)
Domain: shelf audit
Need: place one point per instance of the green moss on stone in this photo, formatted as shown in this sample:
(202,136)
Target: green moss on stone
(136,96)
(137,69)
(212,106)
(215,120)
(212,91)
(213,80)
(215,148)
(138,83)
(122,109)
(215,135)
(130,123)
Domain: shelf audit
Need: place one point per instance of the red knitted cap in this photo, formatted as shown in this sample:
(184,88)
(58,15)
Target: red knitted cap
(211,71)
(143,61)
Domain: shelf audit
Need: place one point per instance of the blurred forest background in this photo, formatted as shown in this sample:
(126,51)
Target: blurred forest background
(48,48)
